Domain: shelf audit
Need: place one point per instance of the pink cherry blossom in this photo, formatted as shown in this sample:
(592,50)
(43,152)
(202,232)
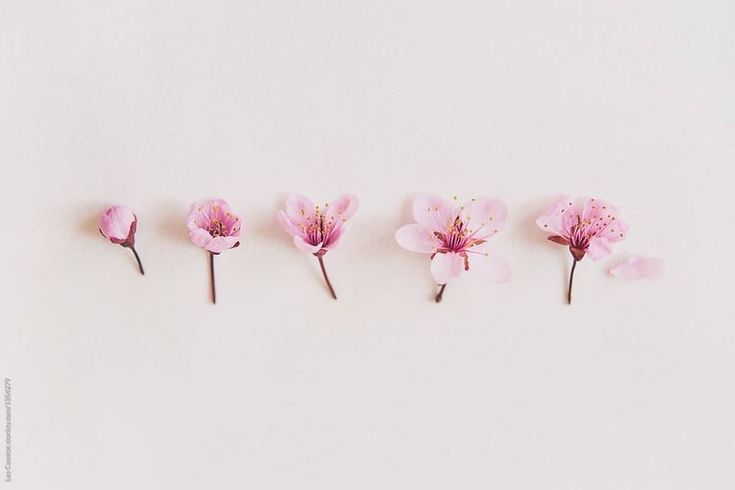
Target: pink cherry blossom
(317,230)
(215,228)
(588,229)
(450,233)
(637,267)
(119,224)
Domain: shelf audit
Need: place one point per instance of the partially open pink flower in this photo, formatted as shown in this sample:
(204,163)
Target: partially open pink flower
(119,224)
(450,233)
(215,228)
(315,229)
(637,267)
(588,229)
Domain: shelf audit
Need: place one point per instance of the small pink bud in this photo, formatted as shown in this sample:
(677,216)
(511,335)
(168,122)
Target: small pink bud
(118,224)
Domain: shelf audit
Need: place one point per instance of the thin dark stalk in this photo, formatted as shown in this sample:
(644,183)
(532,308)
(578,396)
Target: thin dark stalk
(326,278)
(211,278)
(137,257)
(439,295)
(571,281)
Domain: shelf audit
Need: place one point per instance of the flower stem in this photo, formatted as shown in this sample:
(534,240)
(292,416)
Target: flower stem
(211,278)
(571,281)
(137,257)
(326,278)
(439,295)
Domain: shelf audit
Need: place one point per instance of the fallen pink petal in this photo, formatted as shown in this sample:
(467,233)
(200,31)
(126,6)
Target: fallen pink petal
(315,229)
(215,228)
(450,233)
(588,229)
(119,224)
(637,267)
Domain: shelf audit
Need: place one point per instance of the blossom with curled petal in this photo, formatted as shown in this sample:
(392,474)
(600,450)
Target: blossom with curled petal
(450,233)
(588,229)
(317,229)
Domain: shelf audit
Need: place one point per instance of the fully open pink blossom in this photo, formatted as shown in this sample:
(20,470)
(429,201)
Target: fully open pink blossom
(450,233)
(213,226)
(119,224)
(588,229)
(637,267)
(316,229)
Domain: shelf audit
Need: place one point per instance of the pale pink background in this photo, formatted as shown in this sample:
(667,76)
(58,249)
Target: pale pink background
(125,382)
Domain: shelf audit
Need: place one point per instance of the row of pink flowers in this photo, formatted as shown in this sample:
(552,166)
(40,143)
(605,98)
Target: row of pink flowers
(456,237)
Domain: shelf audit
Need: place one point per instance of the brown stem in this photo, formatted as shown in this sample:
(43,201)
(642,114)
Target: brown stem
(439,295)
(211,278)
(571,281)
(326,278)
(137,257)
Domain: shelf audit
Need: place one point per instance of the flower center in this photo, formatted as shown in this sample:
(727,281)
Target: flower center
(587,229)
(217,228)
(457,237)
(317,228)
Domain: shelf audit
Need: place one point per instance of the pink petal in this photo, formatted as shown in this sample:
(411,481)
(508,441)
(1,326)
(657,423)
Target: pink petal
(334,238)
(287,226)
(484,216)
(553,219)
(446,266)
(222,243)
(116,221)
(299,209)
(637,267)
(341,209)
(200,237)
(433,212)
(417,238)
(306,247)
(599,248)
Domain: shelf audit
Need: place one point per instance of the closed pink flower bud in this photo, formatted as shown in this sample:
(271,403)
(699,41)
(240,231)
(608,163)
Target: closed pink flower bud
(119,224)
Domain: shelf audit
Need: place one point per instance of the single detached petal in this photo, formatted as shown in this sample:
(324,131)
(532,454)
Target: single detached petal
(116,222)
(446,266)
(433,212)
(484,216)
(417,238)
(637,267)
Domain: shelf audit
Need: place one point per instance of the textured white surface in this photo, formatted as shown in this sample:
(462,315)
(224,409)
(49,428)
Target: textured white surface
(124,382)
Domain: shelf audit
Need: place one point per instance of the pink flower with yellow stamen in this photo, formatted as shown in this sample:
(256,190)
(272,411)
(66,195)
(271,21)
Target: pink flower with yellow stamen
(317,230)
(450,233)
(588,229)
(215,228)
